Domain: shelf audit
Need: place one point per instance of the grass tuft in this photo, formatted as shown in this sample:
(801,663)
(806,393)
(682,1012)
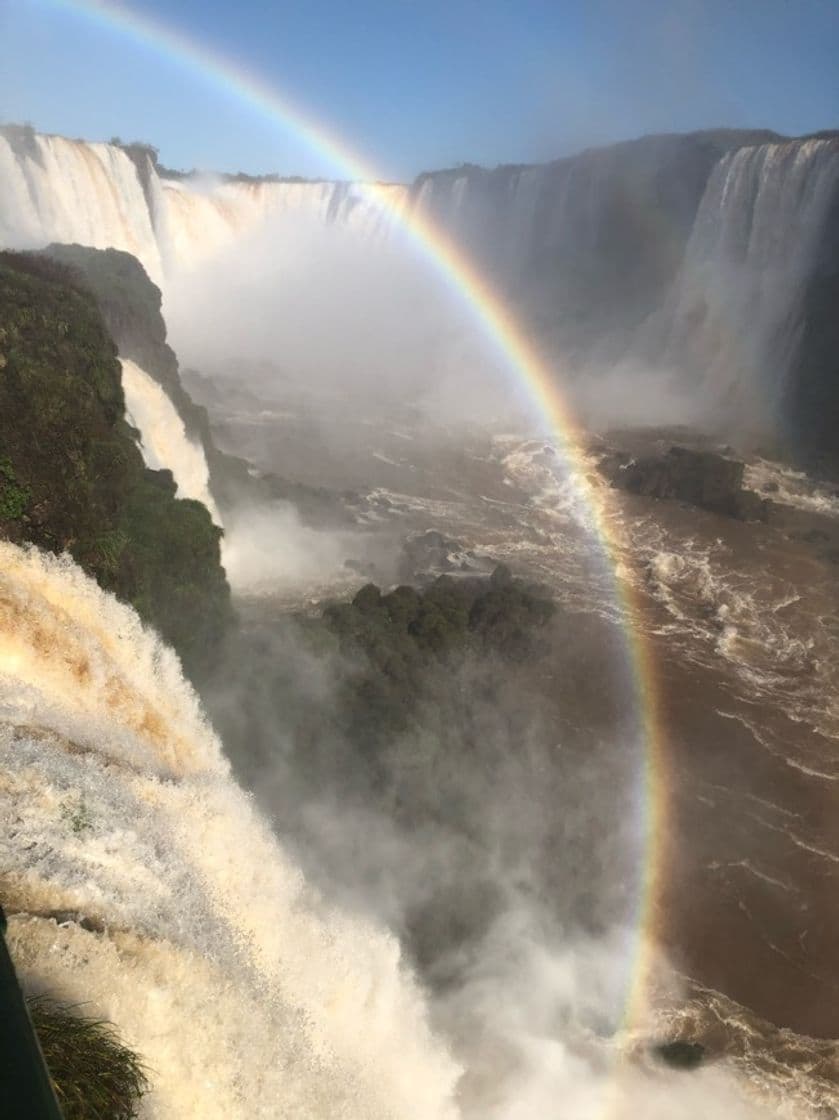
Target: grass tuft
(95,1076)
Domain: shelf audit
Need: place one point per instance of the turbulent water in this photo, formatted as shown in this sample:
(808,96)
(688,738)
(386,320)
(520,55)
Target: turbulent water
(141,883)
(163,438)
(741,619)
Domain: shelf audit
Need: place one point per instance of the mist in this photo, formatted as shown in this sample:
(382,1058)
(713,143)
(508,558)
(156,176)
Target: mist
(504,850)
(507,866)
(268,550)
(340,313)
(430,688)
(348,313)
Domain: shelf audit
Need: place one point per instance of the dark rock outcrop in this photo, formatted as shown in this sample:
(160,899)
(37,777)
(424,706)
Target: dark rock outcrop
(700,478)
(430,554)
(680,1054)
(130,304)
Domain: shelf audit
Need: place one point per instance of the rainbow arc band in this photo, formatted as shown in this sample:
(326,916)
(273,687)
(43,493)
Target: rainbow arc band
(527,367)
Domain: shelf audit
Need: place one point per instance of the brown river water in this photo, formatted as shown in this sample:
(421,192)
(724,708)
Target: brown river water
(743,627)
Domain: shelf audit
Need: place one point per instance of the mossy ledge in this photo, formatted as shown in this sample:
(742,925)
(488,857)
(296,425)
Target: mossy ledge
(71,476)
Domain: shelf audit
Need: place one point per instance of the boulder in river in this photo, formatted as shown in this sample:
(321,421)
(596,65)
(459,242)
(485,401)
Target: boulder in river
(701,478)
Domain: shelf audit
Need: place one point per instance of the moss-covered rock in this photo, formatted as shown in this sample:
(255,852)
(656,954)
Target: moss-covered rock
(71,476)
(130,303)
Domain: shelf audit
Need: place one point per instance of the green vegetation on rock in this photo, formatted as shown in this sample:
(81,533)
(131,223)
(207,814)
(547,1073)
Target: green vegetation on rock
(13,497)
(399,642)
(409,675)
(410,716)
(95,1076)
(71,476)
(421,664)
(130,304)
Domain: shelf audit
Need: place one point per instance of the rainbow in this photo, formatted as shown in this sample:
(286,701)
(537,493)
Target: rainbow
(531,370)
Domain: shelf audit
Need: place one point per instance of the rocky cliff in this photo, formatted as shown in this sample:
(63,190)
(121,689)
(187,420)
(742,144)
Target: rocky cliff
(71,476)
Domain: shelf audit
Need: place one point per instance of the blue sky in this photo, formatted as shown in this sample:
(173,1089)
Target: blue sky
(412,85)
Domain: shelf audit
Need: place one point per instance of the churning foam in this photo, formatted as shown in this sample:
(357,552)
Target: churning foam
(141,882)
(164,441)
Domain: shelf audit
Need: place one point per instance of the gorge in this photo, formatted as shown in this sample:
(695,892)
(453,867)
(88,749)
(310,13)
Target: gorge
(407,639)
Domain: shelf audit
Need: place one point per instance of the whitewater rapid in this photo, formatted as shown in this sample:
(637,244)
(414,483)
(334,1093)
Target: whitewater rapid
(140,882)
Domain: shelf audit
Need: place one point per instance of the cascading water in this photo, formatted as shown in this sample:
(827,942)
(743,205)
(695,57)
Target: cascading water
(588,245)
(164,442)
(591,245)
(197,220)
(54,189)
(141,882)
(734,318)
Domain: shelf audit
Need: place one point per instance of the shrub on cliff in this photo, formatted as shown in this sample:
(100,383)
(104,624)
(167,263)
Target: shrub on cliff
(95,1076)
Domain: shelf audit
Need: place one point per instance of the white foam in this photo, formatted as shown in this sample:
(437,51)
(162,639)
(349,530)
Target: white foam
(244,994)
(789,487)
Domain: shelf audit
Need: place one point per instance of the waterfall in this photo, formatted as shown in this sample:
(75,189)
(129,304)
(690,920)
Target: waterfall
(734,318)
(592,242)
(164,441)
(197,219)
(142,884)
(491,214)
(585,247)
(54,189)
(684,254)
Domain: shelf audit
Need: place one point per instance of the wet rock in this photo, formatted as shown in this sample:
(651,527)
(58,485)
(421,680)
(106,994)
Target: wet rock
(431,554)
(701,478)
(680,1054)
(747,506)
